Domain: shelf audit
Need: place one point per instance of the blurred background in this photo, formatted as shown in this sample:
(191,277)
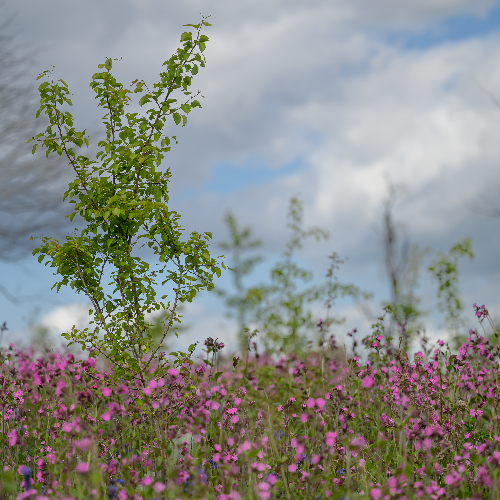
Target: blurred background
(380,119)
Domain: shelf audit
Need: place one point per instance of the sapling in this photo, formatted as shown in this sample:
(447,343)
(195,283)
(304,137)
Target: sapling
(241,242)
(123,197)
(444,269)
(281,308)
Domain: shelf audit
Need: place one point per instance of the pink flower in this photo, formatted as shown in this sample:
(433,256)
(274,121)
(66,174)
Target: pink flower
(147,481)
(320,403)
(122,495)
(303,418)
(367,381)
(310,403)
(280,408)
(13,437)
(358,442)
(330,438)
(245,446)
(106,416)
(66,427)
(173,372)
(147,391)
(214,405)
(375,493)
(83,444)
(292,468)
(106,391)
(122,390)
(153,385)
(159,487)
(272,479)
(82,468)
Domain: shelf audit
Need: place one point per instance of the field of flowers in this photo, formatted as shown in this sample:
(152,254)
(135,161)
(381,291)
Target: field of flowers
(326,426)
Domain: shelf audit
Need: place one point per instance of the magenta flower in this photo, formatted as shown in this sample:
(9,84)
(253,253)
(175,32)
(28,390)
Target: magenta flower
(13,437)
(159,487)
(367,382)
(106,416)
(375,493)
(147,481)
(66,427)
(122,390)
(320,403)
(330,438)
(82,467)
(106,391)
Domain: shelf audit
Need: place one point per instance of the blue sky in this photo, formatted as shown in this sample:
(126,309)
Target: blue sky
(452,29)
(318,99)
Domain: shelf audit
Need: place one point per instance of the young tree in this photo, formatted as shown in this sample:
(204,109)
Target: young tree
(444,269)
(282,309)
(122,197)
(402,263)
(241,242)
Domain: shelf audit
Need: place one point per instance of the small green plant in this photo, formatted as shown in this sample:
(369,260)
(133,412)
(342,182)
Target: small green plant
(280,309)
(444,270)
(123,198)
(238,303)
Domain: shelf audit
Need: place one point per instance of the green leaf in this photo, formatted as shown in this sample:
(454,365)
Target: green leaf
(177,118)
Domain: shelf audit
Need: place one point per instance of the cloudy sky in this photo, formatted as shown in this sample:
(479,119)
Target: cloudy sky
(321,99)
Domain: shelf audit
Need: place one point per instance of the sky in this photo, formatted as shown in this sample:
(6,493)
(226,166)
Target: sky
(322,100)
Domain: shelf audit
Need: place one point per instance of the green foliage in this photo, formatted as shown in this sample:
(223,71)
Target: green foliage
(240,243)
(122,197)
(281,309)
(444,269)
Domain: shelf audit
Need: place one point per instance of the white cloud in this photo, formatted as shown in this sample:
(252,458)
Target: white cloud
(314,81)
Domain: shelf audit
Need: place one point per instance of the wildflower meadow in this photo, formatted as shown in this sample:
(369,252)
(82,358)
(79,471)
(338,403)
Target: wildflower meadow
(297,420)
